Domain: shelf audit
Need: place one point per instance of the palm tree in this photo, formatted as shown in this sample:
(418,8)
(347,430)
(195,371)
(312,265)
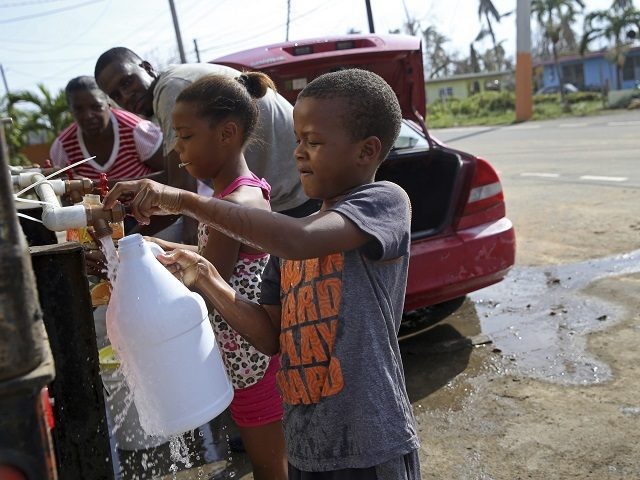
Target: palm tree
(437,60)
(615,26)
(487,9)
(622,4)
(555,17)
(51,114)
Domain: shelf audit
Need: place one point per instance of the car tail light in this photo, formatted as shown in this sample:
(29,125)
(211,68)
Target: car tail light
(486,200)
(8,472)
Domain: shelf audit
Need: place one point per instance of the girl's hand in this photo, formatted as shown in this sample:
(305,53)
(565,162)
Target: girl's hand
(151,198)
(166,246)
(185,265)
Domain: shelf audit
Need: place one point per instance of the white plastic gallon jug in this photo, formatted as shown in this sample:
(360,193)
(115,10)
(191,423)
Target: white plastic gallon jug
(160,330)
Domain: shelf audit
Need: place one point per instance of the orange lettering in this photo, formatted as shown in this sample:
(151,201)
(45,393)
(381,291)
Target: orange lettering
(311,269)
(311,350)
(315,377)
(335,382)
(288,348)
(329,293)
(291,275)
(331,263)
(292,386)
(288,315)
(306,307)
(328,333)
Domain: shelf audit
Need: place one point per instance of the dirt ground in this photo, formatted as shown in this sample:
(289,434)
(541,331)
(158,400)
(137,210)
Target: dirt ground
(485,416)
(486,412)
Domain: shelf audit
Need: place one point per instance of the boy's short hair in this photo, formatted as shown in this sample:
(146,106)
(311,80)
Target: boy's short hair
(372,107)
(121,54)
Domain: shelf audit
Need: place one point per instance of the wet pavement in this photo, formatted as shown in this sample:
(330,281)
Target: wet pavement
(539,317)
(533,324)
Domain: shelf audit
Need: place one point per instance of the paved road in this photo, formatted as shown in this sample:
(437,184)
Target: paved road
(597,150)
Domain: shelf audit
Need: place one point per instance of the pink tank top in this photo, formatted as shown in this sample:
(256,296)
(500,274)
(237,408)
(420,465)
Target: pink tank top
(245,365)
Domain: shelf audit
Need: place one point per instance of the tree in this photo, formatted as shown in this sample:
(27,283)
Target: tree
(48,114)
(614,25)
(556,17)
(487,9)
(437,60)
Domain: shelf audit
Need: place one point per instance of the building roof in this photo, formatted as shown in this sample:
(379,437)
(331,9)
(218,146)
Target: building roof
(469,76)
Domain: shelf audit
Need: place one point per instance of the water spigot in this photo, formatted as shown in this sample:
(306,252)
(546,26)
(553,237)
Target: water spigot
(77,188)
(99,219)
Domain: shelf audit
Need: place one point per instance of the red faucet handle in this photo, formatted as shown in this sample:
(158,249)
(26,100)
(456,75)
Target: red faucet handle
(103,185)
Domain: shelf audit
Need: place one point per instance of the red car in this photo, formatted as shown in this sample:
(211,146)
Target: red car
(461,239)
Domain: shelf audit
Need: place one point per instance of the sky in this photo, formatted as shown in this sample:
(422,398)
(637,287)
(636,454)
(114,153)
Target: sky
(51,41)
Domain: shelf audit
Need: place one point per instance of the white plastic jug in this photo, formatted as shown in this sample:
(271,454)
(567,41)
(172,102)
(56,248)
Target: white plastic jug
(160,330)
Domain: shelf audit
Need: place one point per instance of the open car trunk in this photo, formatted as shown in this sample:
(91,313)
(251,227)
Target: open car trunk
(430,179)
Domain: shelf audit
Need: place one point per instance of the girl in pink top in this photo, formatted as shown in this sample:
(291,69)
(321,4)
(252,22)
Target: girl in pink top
(213,119)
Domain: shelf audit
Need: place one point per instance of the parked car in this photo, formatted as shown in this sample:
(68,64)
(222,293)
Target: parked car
(461,239)
(568,88)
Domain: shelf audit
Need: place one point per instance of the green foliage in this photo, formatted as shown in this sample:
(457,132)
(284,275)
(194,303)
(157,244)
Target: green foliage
(38,113)
(498,108)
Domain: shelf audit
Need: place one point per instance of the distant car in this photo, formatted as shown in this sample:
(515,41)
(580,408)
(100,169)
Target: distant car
(461,239)
(568,88)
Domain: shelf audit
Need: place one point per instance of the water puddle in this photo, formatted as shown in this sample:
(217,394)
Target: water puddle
(539,317)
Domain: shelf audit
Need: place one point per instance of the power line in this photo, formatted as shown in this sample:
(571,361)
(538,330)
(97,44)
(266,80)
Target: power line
(27,3)
(50,12)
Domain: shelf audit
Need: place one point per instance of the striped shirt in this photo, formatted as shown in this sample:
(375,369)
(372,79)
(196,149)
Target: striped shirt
(134,141)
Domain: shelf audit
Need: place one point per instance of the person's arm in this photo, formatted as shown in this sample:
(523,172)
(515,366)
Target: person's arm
(258,324)
(294,238)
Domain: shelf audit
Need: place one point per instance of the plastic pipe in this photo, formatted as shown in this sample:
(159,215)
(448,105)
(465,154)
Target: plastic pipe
(23,180)
(55,217)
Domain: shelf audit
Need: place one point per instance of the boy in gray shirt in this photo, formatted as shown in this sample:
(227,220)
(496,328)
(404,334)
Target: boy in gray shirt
(332,304)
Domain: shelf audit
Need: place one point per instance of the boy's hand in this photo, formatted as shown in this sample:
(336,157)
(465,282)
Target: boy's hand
(151,198)
(185,265)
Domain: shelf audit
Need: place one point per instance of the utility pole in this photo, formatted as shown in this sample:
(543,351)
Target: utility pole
(370,16)
(288,19)
(524,69)
(174,15)
(4,79)
(195,45)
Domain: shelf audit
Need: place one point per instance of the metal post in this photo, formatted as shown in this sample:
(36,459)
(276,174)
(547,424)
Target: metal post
(370,16)
(4,79)
(26,366)
(81,435)
(176,26)
(524,69)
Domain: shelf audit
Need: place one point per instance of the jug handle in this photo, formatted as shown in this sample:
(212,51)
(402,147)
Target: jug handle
(155,248)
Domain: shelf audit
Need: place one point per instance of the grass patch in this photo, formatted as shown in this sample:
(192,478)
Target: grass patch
(498,108)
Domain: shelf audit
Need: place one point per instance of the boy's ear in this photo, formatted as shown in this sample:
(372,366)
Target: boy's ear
(370,150)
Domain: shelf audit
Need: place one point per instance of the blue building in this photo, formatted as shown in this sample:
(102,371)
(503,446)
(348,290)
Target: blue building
(590,72)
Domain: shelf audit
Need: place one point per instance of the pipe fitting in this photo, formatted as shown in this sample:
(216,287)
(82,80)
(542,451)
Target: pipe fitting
(99,219)
(77,188)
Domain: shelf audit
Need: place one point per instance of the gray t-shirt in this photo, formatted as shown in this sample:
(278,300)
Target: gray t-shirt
(269,153)
(342,379)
